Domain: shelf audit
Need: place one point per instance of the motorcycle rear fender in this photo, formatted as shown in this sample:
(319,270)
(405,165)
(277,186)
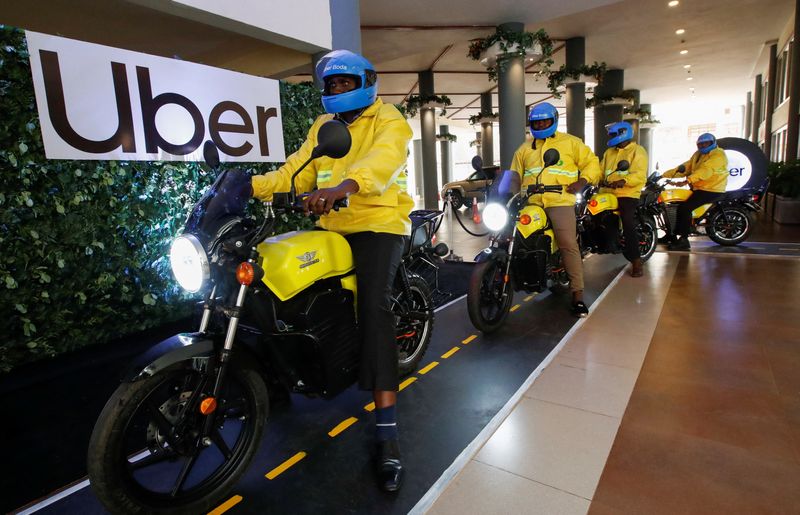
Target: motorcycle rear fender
(491,253)
(193,350)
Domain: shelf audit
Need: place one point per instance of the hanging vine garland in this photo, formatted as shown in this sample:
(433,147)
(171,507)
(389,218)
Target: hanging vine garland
(495,50)
(452,138)
(416,102)
(559,77)
(624,98)
(482,118)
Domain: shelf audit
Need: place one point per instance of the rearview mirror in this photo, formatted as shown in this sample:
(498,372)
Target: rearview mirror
(477,163)
(623,166)
(333,140)
(551,157)
(211,154)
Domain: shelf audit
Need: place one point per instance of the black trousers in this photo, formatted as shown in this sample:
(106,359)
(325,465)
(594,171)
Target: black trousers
(684,215)
(630,227)
(376,257)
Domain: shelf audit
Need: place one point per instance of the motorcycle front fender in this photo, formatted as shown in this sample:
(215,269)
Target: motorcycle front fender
(491,253)
(191,349)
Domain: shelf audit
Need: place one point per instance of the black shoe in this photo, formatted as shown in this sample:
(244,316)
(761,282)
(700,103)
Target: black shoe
(666,240)
(389,469)
(681,244)
(579,309)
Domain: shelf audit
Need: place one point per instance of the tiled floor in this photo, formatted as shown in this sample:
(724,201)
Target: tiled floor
(679,394)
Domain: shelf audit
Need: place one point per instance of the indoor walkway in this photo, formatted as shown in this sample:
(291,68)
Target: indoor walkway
(679,394)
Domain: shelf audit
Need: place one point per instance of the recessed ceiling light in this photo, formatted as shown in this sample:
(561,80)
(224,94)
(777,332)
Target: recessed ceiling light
(689,78)
(679,31)
(673,3)
(687,66)
(684,52)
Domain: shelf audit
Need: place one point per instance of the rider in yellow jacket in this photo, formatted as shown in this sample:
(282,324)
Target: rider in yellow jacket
(706,172)
(626,185)
(375,224)
(577,167)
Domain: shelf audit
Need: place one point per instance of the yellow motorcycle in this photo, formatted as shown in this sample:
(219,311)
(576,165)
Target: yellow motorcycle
(522,254)
(278,313)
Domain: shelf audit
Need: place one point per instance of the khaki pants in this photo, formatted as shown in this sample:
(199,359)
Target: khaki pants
(562,219)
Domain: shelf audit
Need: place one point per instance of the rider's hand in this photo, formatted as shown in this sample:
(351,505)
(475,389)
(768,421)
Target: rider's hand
(577,186)
(679,183)
(320,202)
(617,184)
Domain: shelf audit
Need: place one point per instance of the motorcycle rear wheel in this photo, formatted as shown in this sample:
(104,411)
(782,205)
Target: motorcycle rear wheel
(648,237)
(146,454)
(487,307)
(730,232)
(413,333)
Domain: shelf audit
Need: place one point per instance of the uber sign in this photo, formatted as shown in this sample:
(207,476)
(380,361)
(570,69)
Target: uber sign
(747,165)
(98,102)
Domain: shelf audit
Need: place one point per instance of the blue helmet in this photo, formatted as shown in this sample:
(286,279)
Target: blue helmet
(619,132)
(706,137)
(543,111)
(345,62)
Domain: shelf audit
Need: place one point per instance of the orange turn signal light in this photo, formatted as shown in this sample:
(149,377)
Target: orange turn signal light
(208,405)
(525,219)
(593,203)
(245,273)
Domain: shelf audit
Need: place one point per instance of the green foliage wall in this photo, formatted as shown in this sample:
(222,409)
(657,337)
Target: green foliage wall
(84,243)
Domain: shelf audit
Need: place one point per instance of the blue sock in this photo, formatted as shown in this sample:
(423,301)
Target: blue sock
(386,423)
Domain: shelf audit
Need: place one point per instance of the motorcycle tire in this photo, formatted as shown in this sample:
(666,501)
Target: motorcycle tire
(738,227)
(115,451)
(412,347)
(487,310)
(648,237)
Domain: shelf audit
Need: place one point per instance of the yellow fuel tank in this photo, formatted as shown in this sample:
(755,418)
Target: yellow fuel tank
(603,202)
(681,195)
(538,220)
(295,260)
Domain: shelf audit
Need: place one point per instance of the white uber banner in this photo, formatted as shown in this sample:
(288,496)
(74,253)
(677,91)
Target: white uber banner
(99,102)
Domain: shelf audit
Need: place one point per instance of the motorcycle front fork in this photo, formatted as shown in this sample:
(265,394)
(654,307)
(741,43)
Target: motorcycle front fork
(507,271)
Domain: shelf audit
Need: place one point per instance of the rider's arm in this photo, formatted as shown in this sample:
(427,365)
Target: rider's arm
(704,171)
(265,185)
(637,173)
(674,171)
(517,166)
(588,164)
(378,169)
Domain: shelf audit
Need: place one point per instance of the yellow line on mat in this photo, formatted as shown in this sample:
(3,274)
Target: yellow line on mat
(428,368)
(514,307)
(227,505)
(450,352)
(280,469)
(342,426)
(529,297)
(370,406)
(406,383)
(469,339)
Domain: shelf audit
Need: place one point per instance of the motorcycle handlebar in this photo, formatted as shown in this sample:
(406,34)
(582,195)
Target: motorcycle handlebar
(337,204)
(534,189)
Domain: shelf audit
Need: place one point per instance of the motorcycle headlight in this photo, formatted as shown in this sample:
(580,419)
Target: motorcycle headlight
(495,216)
(189,263)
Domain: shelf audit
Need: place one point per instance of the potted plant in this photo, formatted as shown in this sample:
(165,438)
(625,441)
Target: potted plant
(446,137)
(584,73)
(785,187)
(494,50)
(483,118)
(625,98)
(645,117)
(416,102)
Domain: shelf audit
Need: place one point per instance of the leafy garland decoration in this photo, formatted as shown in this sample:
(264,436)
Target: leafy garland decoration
(558,77)
(596,100)
(416,102)
(446,137)
(476,118)
(643,115)
(513,44)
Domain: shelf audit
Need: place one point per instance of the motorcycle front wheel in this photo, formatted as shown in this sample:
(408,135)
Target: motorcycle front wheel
(487,306)
(648,237)
(730,226)
(413,312)
(153,451)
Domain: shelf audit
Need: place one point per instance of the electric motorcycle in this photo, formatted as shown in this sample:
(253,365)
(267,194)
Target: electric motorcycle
(600,226)
(727,221)
(522,254)
(278,313)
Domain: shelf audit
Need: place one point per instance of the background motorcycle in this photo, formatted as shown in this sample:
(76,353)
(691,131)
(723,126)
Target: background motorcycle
(727,221)
(522,253)
(600,226)
(189,415)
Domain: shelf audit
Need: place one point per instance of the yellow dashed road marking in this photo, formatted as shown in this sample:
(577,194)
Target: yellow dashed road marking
(514,307)
(529,297)
(283,467)
(450,352)
(469,339)
(428,368)
(342,426)
(406,383)
(370,406)
(227,505)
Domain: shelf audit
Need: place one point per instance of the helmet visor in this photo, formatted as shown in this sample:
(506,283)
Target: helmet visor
(335,84)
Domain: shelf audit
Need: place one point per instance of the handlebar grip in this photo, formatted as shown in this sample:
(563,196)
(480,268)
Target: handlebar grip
(534,189)
(343,202)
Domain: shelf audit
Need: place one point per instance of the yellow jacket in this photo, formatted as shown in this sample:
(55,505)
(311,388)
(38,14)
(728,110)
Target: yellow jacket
(577,160)
(376,161)
(635,177)
(707,172)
